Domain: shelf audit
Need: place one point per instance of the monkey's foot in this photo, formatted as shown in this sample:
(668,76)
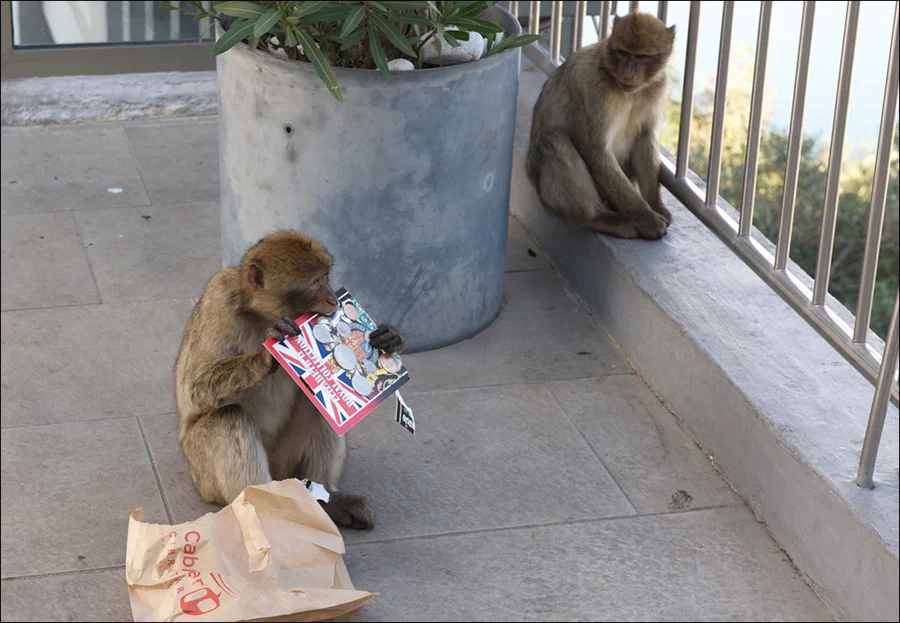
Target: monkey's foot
(350,511)
(387,338)
(650,225)
(663,211)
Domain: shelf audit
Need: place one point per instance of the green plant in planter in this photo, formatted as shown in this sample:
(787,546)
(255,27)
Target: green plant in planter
(352,34)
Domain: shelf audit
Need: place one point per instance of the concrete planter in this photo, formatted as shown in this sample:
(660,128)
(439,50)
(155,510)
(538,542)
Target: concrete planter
(406,183)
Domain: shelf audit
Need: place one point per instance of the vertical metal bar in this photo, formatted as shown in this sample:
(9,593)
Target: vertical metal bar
(514,8)
(149,23)
(175,23)
(662,11)
(835,157)
(534,16)
(580,14)
(633,5)
(864,477)
(718,120)
(879,192)
(556,18)
(205,22)
(687,91)
(751,158)
(795,139)
(126,21)
(604,20)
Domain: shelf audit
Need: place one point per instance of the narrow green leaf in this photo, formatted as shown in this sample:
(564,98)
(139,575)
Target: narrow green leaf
(353,20)
(253,42)
(378,6)
(481,26)
(290,40)
(330,13)
(434,7)
(404,5)
(451,40)
(411,18)
(240,29)
(460,35)
(377,50)
(509,43)
(352,40)
(473,10)
(165,6)
(249,10)
(206,30)
(393,33)
(438,46)
(421,55)
(320,63)
(265,23)
(308,8)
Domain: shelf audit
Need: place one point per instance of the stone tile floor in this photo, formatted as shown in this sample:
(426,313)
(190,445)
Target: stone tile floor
(538,488)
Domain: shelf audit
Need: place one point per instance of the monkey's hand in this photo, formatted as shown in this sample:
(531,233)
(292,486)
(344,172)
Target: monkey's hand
(388,339)
(649,224)
(284,328)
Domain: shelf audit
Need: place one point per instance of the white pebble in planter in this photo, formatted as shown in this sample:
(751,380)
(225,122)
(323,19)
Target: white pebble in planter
(400,64)
(467,51)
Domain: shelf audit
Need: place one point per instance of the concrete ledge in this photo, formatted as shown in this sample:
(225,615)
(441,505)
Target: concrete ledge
(780,411)
(75,99)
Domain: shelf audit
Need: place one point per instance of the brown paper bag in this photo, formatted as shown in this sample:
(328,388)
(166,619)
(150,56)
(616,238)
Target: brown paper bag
(272,555)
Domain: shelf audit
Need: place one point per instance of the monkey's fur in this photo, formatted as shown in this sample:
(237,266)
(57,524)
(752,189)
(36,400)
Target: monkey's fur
(243,420)
(595,132)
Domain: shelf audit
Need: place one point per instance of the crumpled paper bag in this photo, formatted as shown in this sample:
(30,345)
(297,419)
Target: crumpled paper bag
(272,555)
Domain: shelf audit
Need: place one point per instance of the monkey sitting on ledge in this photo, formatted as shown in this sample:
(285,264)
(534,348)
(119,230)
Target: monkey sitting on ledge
(595,132)
(241,422)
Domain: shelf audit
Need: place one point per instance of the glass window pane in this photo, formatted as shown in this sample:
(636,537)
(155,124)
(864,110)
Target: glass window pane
(38,24)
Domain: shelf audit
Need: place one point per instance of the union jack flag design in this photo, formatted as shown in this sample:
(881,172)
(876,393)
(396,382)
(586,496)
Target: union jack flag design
(334,384)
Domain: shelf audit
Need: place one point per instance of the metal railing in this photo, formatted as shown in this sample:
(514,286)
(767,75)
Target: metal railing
(876,364)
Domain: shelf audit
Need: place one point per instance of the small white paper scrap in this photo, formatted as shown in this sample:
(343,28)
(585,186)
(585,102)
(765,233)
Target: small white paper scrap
(318,491)
(404,415)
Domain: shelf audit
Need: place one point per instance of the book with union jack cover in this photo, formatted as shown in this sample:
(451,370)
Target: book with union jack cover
(332,362)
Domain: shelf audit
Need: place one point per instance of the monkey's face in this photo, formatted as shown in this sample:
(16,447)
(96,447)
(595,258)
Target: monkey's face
(316,297)
(638,50)
(286,274)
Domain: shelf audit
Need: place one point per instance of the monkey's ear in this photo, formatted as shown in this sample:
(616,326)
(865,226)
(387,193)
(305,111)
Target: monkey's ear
(255,278)
(616,19)
(671,32)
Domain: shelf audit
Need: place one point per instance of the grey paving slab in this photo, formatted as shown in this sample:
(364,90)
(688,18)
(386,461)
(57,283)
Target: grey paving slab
(522,253)
(87,596)
(152,252)
(89,362)
(480,458)
(75,169)
(67,492)
(650,456)
(712,565)
(175,475)
(179,163)
(43,262)
(541,334)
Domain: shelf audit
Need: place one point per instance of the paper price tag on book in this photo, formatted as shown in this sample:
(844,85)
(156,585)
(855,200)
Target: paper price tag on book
(342,375)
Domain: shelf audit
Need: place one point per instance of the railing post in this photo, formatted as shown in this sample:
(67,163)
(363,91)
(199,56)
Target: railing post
(718,122)
(687,91)
(751,156)
(835,157)
(866,473)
